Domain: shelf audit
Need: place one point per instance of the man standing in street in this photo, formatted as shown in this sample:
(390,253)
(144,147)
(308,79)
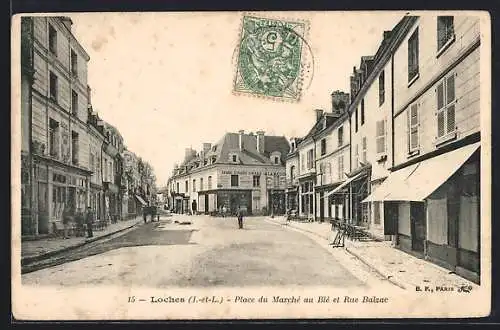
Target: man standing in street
(240,218)
(89,219)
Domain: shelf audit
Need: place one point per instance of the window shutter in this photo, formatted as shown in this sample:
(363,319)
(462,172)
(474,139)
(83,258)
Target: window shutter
(450,89)
(414,126)
(450,118)
(440,96)
(440,123)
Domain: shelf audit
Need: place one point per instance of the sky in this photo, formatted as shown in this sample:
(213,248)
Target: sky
(165,79)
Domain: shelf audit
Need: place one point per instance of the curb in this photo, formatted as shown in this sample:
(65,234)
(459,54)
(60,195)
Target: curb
(28,260)
(389,278)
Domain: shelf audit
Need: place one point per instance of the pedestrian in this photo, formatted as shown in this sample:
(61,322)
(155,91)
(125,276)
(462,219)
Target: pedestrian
(89,221)
(67,218)
(80,219)
(239,214)
(224,210)
(144,214)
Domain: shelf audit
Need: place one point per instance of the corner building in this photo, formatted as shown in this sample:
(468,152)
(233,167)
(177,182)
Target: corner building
(241,171)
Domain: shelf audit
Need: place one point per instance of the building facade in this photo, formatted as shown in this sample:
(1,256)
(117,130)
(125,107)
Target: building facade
(240,172)
(435,211)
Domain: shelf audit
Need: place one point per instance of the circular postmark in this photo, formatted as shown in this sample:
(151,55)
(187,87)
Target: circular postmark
(273,58)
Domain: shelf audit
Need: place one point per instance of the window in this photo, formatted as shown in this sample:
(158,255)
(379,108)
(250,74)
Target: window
(256,180)
(362,112)
(380,130)
(341,167)
(53,87)
(52,40)
(194,185)
(92,163)
(186,184)
(234,181)
(323,147)
(310,159)
(235,158)
(53,138)
(292,173)
(356,120)
(446,106)
(201,183)
(74,64)
(413,143)
(413,56)
(302,163)
(381,88)
(356,156)
(445,31)
(276,160)
(363,152)
(74,103)
(340,134)
(209,183)
(74,147)
(178,187)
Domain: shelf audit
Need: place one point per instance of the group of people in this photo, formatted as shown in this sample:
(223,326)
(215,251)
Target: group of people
(151,210)
(80,218)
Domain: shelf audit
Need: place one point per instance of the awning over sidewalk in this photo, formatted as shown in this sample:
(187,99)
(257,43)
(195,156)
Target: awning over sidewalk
(343,184)
(416,182)
(142,201)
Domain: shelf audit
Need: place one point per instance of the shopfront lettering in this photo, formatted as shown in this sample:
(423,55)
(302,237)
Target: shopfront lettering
(252,173)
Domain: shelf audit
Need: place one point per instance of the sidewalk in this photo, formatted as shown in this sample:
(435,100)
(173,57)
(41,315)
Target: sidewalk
(34,250)
(397,266)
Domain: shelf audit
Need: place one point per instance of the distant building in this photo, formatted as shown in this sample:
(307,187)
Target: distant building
(241,171)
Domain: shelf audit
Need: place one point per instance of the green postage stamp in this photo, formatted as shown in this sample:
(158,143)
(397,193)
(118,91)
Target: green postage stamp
(270,58)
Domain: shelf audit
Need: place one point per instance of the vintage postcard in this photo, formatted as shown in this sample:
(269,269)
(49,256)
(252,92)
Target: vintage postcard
(251,165)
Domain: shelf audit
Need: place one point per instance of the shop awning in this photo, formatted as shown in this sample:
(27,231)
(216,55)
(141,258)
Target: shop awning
(343,184)
(142,201)
(416,182)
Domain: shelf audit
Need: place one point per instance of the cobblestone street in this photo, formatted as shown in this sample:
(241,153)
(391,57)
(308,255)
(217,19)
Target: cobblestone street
(208,252)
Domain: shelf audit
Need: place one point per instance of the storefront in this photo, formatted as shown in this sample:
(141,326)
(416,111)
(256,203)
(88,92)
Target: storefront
(432,209)
(57,186)
(292,199)
(276,200)
(235,200)
(306,191)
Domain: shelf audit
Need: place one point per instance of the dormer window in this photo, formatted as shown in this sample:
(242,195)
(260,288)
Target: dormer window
(276,160)
(324,123)
(233,158)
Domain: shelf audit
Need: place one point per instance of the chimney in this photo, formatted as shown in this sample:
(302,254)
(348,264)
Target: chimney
(187,154)
(67,22)
(206,147)
(240,139)
(319,113)
(260,142)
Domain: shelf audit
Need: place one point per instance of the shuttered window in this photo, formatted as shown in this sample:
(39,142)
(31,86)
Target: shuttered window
(380,138)
(446,106)
(413,124)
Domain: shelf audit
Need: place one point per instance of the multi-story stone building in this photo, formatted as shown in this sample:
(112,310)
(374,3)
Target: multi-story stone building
(57,132)
(241,171)
(431,197)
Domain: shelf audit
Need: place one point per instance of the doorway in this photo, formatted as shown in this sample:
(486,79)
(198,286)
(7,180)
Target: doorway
(418,226)
(321,207)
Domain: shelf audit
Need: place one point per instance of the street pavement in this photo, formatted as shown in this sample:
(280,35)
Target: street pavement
(203,251)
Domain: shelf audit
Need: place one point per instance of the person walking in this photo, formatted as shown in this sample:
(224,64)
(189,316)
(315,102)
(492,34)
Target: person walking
(224,210)
(89,221)
(144,214)
(239,214)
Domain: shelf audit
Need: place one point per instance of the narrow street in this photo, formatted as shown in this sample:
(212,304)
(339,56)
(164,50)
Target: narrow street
(207,252)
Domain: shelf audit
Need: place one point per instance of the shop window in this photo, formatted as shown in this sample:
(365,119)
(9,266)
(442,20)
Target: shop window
(446,106)
(413,56)
(52,40)
(256,180)
(445,31)
(234,180)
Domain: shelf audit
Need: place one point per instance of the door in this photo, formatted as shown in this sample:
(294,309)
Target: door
(418,226)
(43,214)
(206,203)
(321,207)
